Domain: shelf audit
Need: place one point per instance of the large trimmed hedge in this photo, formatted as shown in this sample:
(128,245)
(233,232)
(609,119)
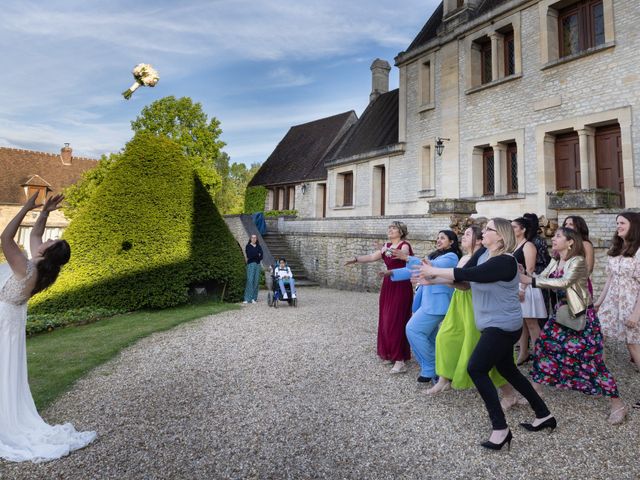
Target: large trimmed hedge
(148,233)
(254,199)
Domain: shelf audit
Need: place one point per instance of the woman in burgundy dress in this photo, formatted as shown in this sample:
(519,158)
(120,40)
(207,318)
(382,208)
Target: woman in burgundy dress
(395,300)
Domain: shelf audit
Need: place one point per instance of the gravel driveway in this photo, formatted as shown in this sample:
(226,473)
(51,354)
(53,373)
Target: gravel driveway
(299,393)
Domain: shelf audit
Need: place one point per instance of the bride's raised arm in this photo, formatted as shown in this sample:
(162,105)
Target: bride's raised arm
(35,239)
(15,258)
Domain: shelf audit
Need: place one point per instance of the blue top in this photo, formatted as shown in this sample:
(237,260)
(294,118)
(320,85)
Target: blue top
(430,299)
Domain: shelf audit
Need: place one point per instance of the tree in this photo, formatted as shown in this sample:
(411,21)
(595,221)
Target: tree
(148,233)
(185,123)
(230,198)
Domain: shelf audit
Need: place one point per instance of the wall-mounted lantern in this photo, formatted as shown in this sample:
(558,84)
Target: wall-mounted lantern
(440,145)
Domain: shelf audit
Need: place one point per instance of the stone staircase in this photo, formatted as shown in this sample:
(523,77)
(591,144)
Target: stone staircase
(277,244)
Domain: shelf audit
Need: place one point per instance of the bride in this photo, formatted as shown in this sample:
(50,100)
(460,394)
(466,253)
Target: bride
(23,434)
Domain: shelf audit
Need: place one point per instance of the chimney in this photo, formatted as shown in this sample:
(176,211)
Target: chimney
(65,154)
(379,78)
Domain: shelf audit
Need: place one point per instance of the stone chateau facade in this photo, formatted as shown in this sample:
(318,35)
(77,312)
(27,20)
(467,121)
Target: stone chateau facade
(503,107)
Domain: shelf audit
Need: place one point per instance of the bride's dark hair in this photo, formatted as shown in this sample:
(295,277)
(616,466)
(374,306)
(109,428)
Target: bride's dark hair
(53,258)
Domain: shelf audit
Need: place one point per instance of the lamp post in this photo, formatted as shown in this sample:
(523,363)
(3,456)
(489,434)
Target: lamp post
(440,145)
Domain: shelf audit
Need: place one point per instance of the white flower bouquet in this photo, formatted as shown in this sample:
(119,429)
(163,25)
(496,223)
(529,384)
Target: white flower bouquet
(145,75)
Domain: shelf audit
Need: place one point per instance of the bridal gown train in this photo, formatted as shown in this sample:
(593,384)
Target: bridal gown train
(24,436)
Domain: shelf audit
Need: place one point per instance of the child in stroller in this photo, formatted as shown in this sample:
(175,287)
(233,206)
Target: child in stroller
(283,284)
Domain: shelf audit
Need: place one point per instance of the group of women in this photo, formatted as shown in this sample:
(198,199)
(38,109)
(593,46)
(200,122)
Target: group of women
(470,310)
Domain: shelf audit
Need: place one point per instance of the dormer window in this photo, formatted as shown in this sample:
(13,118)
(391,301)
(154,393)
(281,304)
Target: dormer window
(451,7)
(41,191)
(37,184)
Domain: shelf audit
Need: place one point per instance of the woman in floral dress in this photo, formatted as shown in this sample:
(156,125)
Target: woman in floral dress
(619,302)
(564,357)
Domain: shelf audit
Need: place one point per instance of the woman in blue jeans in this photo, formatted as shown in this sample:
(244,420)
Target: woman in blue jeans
(253,252)
(430,302)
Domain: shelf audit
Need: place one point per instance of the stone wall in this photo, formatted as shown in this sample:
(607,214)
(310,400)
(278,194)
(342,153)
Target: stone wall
(325,244)
(237,229)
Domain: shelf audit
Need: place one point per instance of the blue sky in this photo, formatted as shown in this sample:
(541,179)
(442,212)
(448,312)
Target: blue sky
(259,66)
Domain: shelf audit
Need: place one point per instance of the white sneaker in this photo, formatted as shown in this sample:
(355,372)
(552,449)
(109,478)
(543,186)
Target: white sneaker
(285,297)
(253,301)
(293,295)
(245,302)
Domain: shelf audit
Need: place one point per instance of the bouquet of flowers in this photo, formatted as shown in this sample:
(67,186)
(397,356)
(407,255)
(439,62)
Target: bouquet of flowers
(145,75)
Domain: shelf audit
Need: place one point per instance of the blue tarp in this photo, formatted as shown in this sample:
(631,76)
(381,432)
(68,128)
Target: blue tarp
(258,220)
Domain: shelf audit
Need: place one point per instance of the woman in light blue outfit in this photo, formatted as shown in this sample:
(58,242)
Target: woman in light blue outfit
(430,303)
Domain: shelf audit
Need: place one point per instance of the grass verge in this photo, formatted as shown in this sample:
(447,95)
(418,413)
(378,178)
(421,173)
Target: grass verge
(57,359)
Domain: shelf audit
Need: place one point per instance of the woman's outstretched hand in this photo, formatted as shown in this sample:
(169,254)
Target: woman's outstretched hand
(53,203)
(398,253)
(31,202)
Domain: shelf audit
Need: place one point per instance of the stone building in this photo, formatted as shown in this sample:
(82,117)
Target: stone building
(503,107)
(294,174)
(26,172)
(532,97)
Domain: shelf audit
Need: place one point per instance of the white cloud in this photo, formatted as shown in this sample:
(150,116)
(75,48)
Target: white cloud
(285,77)
(66,62)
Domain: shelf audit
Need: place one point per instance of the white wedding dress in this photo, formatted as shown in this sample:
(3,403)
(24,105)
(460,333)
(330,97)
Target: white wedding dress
(23,434)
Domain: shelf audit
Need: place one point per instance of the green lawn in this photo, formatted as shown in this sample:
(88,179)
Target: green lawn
(57,359)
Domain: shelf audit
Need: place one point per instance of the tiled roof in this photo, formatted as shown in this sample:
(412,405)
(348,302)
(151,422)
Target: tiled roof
(37,181)
(377,128)
(18,167)
(299,155)
(430,29)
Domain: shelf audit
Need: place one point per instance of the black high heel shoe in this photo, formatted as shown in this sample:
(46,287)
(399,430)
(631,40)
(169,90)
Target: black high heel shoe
(549,423)
(498,446)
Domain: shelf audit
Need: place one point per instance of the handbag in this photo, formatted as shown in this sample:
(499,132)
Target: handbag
(575,322)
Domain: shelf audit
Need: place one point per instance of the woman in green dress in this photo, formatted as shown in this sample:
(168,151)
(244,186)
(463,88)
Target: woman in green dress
(458,334)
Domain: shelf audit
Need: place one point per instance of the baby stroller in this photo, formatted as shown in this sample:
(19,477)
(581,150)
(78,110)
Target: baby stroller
(275,294)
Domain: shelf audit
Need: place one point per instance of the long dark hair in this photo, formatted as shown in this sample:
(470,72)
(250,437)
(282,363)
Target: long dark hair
(455,247)
(53,258)
(579,225)
(525,224)
(476,234)
(628,247)
(534,225)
